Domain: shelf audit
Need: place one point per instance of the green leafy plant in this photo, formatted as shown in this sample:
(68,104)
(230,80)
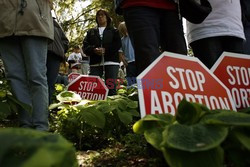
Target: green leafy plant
(8,103)
(197,136)
(26,148)
(90,124)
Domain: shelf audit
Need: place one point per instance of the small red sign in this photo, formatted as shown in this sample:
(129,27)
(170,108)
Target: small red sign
(172,77)
(72,76)
(234,71)
(89,87)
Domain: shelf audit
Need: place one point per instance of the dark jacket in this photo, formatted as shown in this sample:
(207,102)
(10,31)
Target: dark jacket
(60,44)
(111,42)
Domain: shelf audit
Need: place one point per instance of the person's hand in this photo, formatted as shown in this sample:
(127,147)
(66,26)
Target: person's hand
(99,51)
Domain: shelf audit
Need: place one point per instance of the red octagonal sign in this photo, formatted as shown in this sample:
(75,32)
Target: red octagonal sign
(89,87)
(172,77)
(234,71)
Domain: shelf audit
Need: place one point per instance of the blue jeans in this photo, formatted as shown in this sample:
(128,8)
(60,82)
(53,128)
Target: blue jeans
(53,64)
(152,30)
(111,72)
(25,63)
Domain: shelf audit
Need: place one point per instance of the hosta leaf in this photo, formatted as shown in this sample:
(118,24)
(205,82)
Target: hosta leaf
(189,113)
(26,148)
(210,158)
(193,138)
(134,113)
(68,96)
(227,118)
(125,117)
(133,104)
(104,107)
(152,122)
(92,117)
(154,137)
(122,104)
(166,118)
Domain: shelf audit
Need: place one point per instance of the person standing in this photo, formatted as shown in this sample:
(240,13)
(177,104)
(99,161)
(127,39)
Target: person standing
(26,26)
(222,30)
(56,55)
(128,50)
(152,26)
(75,59)
(102,44)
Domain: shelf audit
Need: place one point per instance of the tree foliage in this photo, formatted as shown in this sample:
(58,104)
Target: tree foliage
(76,18)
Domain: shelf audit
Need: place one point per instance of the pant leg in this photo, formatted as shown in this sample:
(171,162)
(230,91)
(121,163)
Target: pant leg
(233,44)
(172,34)
(131,73)
(53,64)
(97,71)
(13,58)
(35,55)
(111,72)
(143,24)
(207,50)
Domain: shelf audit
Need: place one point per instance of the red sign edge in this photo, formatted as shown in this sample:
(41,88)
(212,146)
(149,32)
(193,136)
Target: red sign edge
(228,54)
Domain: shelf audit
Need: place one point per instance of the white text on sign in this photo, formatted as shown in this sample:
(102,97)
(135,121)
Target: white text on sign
(185,79)
(240,78)
(195,79)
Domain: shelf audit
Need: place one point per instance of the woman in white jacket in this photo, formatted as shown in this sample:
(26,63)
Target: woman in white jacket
(221,31)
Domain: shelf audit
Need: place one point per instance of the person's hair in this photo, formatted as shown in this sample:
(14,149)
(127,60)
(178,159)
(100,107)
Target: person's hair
(106,14)
(76,47)
(123,29)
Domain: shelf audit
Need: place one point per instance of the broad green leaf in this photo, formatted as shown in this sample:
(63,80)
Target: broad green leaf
(210,158)
(125,117)
(193,138)
(92,117)
(26,148)
(227,118)
(122,104)
(133,105)
(68,96)
(152,122)
(189,113)
(154,137)
(134,113)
